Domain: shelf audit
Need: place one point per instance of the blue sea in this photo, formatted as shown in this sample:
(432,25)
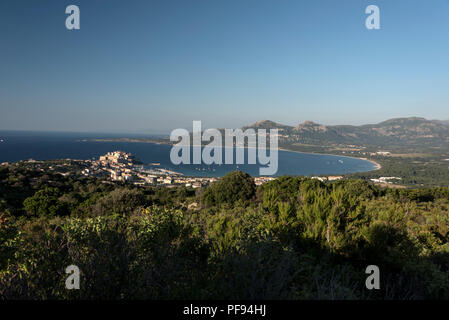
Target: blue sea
(15,146)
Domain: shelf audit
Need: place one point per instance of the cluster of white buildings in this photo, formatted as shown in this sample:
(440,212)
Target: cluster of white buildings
(385,179)
(122,166)
(118,164)
(118,158)
(260,180)
(329,178)
(381,153)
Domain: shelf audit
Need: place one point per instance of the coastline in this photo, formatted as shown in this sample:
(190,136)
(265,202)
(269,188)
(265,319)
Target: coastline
(378,166)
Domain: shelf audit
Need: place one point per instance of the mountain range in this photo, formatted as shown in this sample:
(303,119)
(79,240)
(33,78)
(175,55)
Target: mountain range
(411,131)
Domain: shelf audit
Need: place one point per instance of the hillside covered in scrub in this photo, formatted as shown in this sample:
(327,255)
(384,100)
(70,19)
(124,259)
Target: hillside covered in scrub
(291,238)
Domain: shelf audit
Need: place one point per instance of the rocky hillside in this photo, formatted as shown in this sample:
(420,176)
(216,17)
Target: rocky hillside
(401,131)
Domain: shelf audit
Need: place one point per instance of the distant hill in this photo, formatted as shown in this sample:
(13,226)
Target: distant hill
(267,124)
(446,122)
(401,131)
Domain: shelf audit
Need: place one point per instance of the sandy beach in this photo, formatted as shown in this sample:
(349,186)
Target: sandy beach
(377,164)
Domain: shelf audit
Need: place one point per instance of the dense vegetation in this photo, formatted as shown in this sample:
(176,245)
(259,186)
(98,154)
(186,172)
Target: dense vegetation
(292,238)
(414,172)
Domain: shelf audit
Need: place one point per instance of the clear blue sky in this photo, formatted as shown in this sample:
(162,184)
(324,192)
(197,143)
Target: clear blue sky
(154,65)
